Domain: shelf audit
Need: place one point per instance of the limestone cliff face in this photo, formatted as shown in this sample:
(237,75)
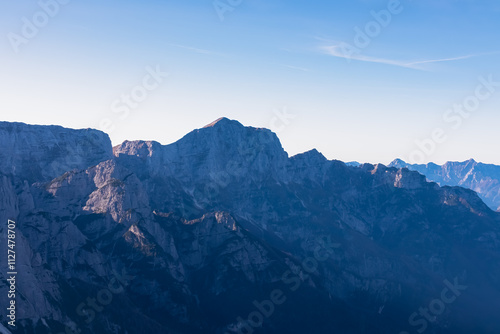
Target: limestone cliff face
(41,153)
(191,236)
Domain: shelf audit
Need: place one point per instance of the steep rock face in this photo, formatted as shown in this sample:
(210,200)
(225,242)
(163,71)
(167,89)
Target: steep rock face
(41,153)
(482,178)
(189,175)
(223,147)
(36,287)
(196,236)
(67,234)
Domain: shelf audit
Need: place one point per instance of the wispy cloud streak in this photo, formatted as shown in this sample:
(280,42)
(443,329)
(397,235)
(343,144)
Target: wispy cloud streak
(303,69)
(337,51)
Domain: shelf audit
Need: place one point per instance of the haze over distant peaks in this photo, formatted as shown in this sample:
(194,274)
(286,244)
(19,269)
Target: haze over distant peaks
(482,178)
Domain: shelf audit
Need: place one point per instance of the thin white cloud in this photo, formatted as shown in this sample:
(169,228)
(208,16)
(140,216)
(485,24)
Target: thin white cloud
(340,52)
(303,69)
(442,60)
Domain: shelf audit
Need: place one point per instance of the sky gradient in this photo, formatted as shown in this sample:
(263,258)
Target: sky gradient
(265,59)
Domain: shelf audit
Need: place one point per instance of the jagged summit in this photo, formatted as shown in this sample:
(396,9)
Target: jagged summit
(401,163)
(396,162)
(221,122)
(222,143)
(313,154)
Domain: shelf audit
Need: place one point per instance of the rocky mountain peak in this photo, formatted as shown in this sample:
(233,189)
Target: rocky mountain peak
(312,156)
(223,146)
(397,163)
(222,121)
(471,163)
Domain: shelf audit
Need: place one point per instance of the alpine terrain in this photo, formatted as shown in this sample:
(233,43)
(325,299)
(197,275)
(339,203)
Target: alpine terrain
(482,178)
(223,232)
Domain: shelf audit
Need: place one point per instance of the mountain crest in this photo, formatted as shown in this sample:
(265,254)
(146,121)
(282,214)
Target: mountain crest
(221,122)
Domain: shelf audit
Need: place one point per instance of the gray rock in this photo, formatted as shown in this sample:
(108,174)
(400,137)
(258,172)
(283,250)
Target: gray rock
(194,235)
(482,178)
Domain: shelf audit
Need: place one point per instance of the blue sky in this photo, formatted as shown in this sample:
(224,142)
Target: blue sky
(264,59)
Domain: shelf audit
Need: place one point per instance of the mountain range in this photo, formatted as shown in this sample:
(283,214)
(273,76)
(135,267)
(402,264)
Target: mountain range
(223,232)
(482,178)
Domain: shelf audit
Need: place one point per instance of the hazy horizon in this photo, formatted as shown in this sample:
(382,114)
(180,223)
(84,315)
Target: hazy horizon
(361,81)
(249,125)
